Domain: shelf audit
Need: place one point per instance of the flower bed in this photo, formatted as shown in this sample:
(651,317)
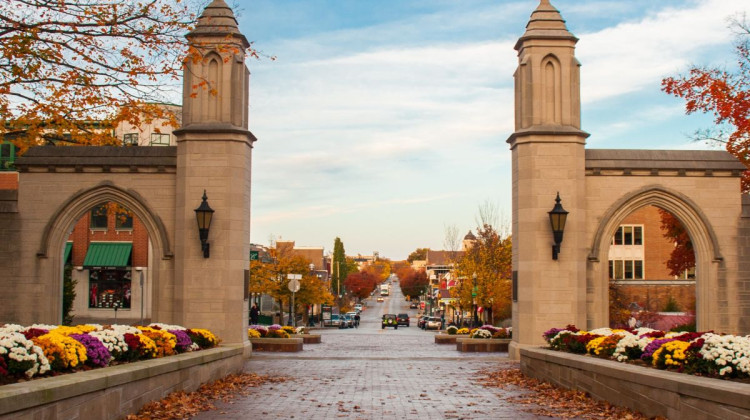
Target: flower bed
(703,354)
(485,331)
(273,331)
(39,350)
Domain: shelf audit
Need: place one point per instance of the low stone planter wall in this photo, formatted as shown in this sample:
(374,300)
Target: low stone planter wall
(277,344)
(308,338)
(484,345)
(116,391)
(652,392)
(446,338)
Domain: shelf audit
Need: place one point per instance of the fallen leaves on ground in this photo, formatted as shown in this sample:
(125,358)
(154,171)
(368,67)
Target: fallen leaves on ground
(181,405)
(546,399)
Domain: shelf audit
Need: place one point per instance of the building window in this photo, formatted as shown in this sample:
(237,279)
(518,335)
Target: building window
(99,217)
(124,219)
(626,269)
(628,235)
(7,156)
(158,139)
(108,288)
(130,139)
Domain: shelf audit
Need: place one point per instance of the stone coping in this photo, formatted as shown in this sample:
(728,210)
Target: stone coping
(20,396)
(483,345)
(308,338)
(447,338)
(277,344)
(653,392)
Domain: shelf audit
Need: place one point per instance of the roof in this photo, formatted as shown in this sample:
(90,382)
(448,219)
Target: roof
(218,19)
(545,23)
(470,236)
(662,159)
(443,257)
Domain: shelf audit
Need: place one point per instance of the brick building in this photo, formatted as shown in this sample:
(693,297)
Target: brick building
(638,255)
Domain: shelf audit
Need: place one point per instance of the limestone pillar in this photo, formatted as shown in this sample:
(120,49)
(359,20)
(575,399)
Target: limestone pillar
(547,157)
(214,148)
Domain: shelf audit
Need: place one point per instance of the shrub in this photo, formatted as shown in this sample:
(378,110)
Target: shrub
(462,331)
(671,305)
(205,339)
(21,356)
(62,351)
(97,354)
(289,329)
(481,333)
(277,334)
(251,333)
(451,330)
(164,340)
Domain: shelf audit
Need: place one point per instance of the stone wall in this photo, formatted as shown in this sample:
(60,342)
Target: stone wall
(652,392)
(116,391)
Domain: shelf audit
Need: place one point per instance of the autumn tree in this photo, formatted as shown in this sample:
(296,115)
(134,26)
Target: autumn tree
(726,95)
(682,257)
(74,69)
(360,284)
(491,260)
(412,282)
(271,278)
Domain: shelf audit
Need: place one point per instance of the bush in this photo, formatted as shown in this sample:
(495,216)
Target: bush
(251,333)
(451,330)
(671,305)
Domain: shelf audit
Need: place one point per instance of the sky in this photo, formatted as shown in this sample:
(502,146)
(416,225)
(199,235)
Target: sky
(384,122)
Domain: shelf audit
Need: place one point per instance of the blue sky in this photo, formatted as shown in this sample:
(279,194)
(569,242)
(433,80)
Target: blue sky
(382,122)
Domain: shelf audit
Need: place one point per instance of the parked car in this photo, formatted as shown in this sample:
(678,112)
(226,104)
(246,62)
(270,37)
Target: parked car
(335,321)
(432,323)
(389,320)
(380,299)
(421,320)
(403,319)
(413,305)
(347,321)
(358,307)
(354,320)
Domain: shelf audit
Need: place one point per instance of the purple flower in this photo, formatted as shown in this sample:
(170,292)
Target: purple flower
(183,340)
(97,354)
(648,352)
(551,333)
(274,327)
(490,328)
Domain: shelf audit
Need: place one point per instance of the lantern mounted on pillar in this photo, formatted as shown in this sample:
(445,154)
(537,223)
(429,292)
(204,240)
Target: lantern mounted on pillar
(204,213)
(557,217)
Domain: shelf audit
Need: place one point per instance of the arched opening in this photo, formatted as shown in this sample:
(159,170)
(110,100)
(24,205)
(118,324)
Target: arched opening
(702,238)
(107,239)
(651,271)
(552,90)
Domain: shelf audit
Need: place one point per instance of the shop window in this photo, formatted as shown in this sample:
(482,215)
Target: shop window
(109,287)
(159,139)
(130,139)
(628,235)
(124,219)
(99,217)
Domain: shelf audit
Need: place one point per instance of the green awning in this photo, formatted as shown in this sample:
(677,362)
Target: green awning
(68,248)
(108,254)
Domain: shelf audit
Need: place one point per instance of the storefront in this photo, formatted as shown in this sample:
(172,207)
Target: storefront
(109,275)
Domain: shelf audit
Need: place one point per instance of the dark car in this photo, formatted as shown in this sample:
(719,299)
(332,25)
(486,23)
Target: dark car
(421,320)
(413,305)
(403,319)
(389,320)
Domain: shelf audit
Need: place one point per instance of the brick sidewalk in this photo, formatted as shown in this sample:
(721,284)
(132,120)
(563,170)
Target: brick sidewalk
(369,373)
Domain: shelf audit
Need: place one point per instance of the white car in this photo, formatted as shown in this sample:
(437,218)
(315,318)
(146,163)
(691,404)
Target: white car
(432,323)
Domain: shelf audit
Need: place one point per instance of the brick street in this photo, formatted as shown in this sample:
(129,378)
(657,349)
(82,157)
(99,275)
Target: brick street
(374,373)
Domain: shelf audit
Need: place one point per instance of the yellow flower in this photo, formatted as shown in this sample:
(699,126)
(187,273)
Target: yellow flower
(251,333)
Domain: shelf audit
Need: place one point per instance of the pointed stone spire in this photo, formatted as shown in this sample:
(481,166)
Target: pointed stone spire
(546,22)
(218,19)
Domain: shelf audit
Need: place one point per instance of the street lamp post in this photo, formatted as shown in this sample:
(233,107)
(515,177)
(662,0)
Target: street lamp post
(312,304)
(474,322)
(294,288)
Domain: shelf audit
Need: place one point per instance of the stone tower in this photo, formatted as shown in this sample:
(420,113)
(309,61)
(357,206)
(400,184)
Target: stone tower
(548,157)
(214,149)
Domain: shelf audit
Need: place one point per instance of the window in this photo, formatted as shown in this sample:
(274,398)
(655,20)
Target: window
(628,235)
(130,139)
(99,217)
(626,269)
(108,288)
(123,219)
(7,156)
(158,139)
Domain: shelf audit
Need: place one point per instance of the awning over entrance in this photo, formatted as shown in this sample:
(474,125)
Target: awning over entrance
(108,254)
(68,248)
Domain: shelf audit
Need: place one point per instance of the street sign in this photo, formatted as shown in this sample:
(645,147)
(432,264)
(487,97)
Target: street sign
(253,255)
(293,282)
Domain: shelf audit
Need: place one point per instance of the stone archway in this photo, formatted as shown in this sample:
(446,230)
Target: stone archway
(70,211)
(706,247)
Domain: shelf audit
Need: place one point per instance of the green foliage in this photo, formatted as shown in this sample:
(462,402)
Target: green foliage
(418,255)
(671,305)
(69,295)
(339,267)
(684,328)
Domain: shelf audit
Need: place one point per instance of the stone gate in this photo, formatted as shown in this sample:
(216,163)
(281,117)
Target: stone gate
(600,188)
